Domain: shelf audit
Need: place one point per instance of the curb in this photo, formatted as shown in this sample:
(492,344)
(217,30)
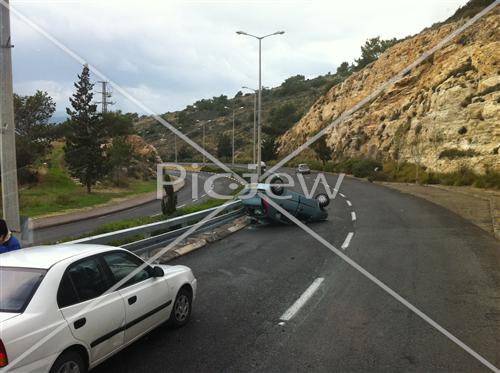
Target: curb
(71,217)
(201,240)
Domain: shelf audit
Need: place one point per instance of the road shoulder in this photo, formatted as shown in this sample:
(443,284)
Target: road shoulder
(479,206)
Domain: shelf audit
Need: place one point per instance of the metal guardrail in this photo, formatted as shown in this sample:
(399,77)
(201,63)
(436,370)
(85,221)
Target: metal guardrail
(174,227)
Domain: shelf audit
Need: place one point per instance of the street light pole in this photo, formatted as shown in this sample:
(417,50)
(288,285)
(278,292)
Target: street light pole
(204,160)
(175,144)
(254,120)
(234,110)
(175,147)
(203,126)
(259,118)
(10,197)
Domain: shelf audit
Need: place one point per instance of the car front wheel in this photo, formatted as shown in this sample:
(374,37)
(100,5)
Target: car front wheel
(181,310)
(69,362)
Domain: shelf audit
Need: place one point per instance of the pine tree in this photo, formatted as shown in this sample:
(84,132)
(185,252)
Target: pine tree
(86,138)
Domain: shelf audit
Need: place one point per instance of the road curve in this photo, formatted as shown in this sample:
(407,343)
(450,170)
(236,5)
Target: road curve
(442,264)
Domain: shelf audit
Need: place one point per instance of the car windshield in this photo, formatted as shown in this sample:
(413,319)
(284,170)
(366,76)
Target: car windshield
(18,286)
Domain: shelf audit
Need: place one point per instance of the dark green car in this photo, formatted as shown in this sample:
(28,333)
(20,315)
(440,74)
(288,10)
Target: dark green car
(303,208)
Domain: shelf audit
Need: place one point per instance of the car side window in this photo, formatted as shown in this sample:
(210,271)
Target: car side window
(66,295)
(121,264)
(88,279)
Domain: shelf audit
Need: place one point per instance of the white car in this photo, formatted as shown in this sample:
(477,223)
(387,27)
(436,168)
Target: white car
(63,308)
(253,166)
(303,168)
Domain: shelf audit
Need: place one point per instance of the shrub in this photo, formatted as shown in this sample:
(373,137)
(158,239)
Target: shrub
(365,168)
(457,153)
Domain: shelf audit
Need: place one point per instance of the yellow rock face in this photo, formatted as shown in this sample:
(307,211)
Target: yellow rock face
(451,100)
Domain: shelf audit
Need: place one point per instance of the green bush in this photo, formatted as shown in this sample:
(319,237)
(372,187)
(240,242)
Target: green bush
(366,168)
(457,153)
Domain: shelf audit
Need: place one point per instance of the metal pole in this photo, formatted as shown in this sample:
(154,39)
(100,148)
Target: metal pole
(10,198)
(254,124)
(233,139)
(175,147)
(259,117)
(104,98)
(203,143)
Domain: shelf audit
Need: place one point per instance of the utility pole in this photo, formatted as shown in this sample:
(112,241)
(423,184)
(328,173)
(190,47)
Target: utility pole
(10,197)
(105,95)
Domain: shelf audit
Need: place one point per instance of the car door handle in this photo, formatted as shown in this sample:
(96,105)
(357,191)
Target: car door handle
(132,300)
(79,323)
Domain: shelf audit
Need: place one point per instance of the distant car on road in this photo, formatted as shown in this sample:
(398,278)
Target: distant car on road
(61,293)
(300,206)
(253,166)
(303,169)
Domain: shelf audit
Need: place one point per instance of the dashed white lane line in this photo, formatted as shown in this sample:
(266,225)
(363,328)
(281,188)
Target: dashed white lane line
(299,303)
(347,240)
(348,202)
(195,199)
(342,195)
(203,195)
(353,216)
(181,206)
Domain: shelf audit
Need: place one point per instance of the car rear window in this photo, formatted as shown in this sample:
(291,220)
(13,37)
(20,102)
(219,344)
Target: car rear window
(18,286)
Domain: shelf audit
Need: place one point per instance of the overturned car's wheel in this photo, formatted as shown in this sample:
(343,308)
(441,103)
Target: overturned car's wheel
(323,200)
(276,186)
(181,311)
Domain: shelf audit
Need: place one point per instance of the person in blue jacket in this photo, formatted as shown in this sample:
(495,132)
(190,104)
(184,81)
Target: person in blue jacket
(7,241)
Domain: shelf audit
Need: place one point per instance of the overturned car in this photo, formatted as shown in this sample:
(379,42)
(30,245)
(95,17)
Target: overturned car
(303,208)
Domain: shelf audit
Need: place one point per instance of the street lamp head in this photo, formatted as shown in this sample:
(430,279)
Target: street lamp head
(279,32)
(241,32)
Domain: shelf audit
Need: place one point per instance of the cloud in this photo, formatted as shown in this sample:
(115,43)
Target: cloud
(169,53)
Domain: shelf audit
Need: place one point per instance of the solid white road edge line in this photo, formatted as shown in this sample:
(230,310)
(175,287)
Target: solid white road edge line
(347,241)
(348,202)
(353,215)
(299,303)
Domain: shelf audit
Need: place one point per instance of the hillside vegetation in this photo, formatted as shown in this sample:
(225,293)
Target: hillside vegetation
(57,192)
(442,116)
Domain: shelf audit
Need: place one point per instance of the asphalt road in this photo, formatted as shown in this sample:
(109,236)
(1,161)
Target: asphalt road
(443,265)
(185,197)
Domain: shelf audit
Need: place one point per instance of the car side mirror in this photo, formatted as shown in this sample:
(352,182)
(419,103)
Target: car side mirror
(158,272)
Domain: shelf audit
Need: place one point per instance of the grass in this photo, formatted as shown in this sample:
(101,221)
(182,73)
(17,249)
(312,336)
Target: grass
(58,192)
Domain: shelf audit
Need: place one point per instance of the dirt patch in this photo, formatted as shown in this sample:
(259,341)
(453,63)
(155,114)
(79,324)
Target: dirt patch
(479,206)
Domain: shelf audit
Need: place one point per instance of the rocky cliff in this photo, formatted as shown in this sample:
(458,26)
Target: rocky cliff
(443,114)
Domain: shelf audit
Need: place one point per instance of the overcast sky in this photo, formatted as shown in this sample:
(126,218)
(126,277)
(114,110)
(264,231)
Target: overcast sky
(170,53)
